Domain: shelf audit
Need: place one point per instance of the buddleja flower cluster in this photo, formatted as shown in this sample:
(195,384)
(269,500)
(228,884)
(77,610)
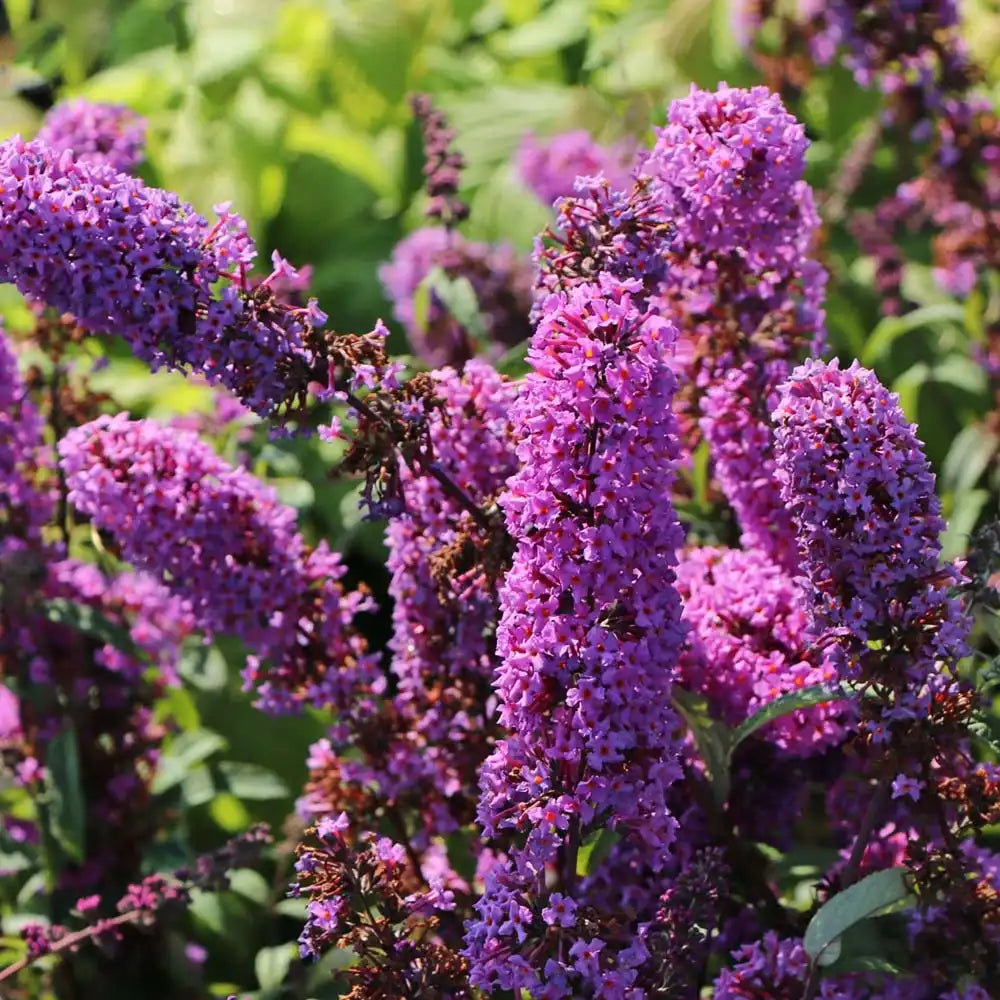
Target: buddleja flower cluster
(589,635)
(131,260)
(223,542)
(593,734)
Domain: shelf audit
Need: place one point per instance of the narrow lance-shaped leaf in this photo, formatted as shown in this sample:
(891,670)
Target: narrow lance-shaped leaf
(857,902)
(66,814)
(806,697)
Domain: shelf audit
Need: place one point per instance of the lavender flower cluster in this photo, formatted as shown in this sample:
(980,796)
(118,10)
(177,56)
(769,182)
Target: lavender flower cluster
(135,261)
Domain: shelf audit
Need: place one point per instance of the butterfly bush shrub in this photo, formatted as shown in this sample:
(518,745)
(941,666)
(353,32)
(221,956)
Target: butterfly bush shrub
(670,691)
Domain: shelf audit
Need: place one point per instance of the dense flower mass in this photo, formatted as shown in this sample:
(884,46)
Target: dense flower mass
(96,133)
(424,749)
(445,610)
(603,230)
(346,884)
(743,288)
(911,50)
(550,167)
(728,165)
(24,506)
(589,638)
(499,278)
(668,660)
(861,494)
(750,643)
(223,542)
(128,259)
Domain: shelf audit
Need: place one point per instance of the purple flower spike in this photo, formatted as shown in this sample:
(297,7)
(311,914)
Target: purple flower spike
(861,494)
(96,133)
(590,635)
(128,259)
(221,540)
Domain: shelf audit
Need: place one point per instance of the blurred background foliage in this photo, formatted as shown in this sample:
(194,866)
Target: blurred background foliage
(296,112)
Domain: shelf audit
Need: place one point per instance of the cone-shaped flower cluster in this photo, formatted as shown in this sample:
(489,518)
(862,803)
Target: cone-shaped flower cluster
(747,298)
(751,643)
(96,133)
(128,259)
(221,540)
(590,634)
(861,494)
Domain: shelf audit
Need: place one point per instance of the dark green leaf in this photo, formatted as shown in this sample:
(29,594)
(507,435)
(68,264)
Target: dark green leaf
(187,750)
(86,619)
(271,965)
(891,328)
(783,705)
(513,364)
(970,453)
(713,739)
(66,812)
(857,902)
(594,850)
(251,781)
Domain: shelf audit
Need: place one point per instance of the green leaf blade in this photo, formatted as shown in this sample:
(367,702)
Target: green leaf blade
(857,902)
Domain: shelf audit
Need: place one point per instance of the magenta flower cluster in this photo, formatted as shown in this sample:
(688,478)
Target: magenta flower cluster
(744,290)
(441,643)
(222,541)
(861,494)
(128,259)
(751,642)
(96,133)
(551,167)
(547,790)
(589,637)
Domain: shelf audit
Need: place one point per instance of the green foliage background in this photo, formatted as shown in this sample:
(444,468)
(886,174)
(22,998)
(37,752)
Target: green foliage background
(296,112)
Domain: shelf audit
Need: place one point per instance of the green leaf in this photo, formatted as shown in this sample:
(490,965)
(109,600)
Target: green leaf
(204,667)
(785,704)
(186,750)
(908,387)
(422,301)
(981,726)
(514,362)
(961,373)
(251,781)
(354,152)
(864,899)
(198,787)
(250,885)
(962,519)
(294,908)
(699,475)
(456,295)
(594,850)
(459,297)
(891,328)
(65,813)
(558,26)
(14,861)
(712,737)
(86,619)
(271,965)
(968,457)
